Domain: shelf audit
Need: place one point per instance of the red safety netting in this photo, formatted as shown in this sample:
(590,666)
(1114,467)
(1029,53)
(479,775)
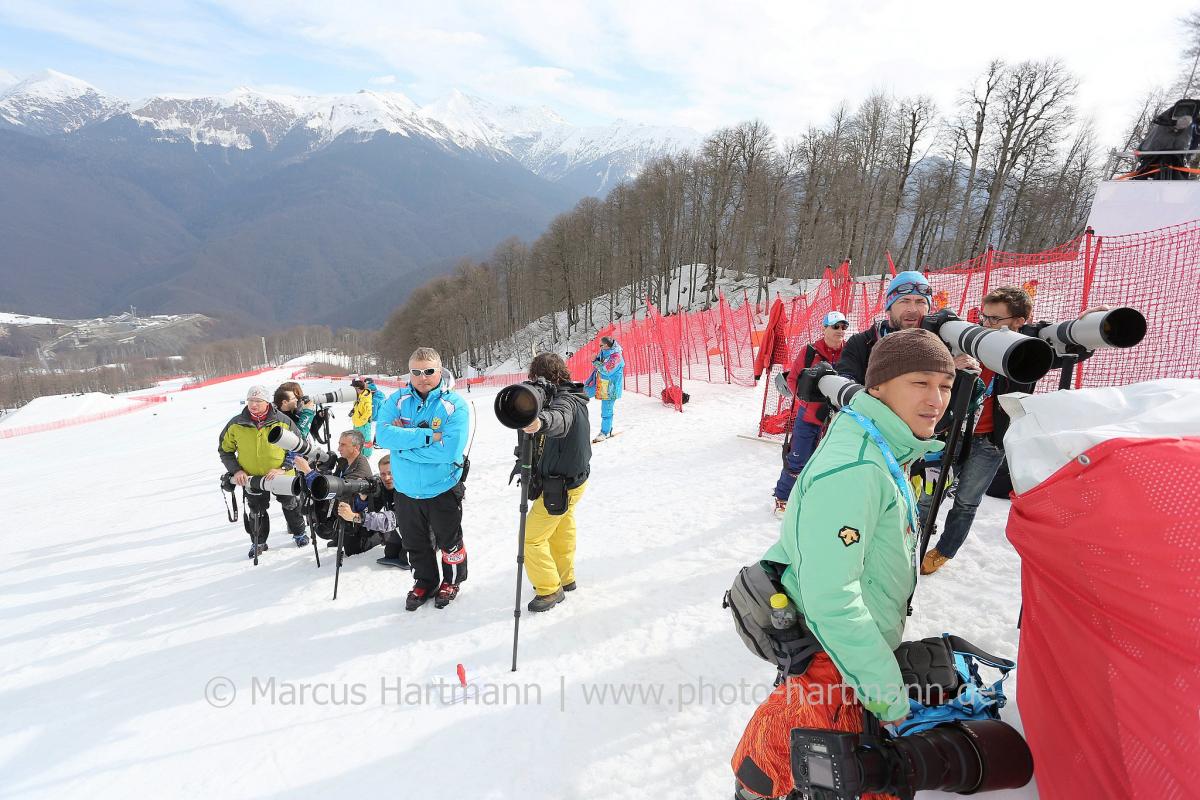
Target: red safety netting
(223,378)
(1110,635)
(1156,272)
(138,403)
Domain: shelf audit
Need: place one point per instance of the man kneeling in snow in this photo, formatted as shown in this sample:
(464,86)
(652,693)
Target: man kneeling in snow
(849,542)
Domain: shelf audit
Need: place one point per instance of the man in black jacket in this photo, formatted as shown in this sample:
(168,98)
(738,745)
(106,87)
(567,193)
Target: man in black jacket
(351,464)
(908,300)
(562,454)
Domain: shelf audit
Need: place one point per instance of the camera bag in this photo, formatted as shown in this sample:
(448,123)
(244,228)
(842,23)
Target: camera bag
(749,600)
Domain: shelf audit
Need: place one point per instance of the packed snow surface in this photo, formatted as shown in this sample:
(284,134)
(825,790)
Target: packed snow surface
(146,656)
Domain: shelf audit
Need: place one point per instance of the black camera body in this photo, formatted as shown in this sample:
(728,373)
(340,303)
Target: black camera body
(963,756)
(820,382)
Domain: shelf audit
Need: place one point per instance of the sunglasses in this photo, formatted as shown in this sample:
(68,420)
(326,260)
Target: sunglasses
(923,289)
(840,326)
(416,373)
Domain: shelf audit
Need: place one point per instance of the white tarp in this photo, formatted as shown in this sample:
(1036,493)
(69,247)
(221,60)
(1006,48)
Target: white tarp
(1122,207)
(1048,430)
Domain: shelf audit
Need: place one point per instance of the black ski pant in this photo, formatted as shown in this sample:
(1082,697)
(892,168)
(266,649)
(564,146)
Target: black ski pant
(429,525)
(258,524)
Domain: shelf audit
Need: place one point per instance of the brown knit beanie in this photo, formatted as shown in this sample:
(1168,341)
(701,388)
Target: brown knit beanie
(912,350)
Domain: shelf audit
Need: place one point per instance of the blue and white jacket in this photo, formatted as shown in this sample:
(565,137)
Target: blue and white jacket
(421,467)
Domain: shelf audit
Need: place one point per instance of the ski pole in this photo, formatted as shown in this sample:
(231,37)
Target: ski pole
(526,477)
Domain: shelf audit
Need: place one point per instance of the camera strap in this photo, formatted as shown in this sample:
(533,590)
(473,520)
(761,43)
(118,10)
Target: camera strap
(231,512)
(465,466)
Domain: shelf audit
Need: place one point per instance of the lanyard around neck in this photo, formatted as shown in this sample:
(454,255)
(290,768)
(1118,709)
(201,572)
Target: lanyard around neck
(892,464)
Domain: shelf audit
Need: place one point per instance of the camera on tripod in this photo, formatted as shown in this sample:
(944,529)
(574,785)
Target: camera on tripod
(963,756)
(518,405)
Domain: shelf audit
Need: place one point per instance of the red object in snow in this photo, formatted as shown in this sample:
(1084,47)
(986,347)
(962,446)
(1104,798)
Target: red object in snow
(1109,663)
(462,675)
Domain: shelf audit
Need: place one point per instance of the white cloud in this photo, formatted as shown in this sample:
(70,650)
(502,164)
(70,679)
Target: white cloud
(703,63)
(382,80)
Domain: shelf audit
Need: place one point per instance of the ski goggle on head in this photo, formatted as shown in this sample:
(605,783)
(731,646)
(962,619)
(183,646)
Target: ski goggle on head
(923,289)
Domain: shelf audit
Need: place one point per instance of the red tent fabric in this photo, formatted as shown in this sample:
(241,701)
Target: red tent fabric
(1109,664)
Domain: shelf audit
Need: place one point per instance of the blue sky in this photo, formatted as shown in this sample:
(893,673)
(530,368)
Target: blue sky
(703,64)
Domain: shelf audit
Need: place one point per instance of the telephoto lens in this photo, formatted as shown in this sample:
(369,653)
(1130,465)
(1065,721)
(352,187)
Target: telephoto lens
(287,485)
(327,487)
(283,438)
(518,405)
(1120,327)
(819,383)
(1023,359)
(344,395)
(964,756)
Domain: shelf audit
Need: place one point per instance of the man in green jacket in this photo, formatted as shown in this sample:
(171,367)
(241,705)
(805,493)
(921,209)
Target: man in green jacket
(245,452)
(849,543)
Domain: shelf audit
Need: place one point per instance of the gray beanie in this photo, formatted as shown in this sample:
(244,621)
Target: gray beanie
(912,350)
(258,392)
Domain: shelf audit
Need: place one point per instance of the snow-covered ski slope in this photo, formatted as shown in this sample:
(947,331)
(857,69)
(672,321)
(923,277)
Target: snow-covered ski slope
(145,656)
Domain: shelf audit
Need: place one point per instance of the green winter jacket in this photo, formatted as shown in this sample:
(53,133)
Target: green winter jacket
(243,443)
(850,555)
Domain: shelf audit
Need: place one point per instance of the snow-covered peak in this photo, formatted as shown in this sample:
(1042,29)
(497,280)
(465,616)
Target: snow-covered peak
(49,102)
(52,85)
(595,157)
(366,113)
(228,120)
(467,115)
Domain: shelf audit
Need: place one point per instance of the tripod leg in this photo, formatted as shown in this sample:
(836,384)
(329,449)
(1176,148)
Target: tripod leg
(526,477)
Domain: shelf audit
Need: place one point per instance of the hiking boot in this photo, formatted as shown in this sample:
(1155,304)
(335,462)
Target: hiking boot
(545,602)
(601,437)
(331,543)
(261,548)
(416,598)
(446,593)
(932,562)
(394,562)
(301,539)
(780,507)
(569,587)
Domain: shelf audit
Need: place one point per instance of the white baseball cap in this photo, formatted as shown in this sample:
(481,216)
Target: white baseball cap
(833,318)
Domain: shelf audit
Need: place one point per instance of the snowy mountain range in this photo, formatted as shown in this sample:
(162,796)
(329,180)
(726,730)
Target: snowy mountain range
(262,209)
(589,158)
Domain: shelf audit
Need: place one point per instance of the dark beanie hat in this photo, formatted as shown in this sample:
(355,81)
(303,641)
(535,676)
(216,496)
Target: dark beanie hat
(912,350)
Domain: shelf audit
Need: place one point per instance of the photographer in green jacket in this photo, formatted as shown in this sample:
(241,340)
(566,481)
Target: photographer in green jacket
(849,543)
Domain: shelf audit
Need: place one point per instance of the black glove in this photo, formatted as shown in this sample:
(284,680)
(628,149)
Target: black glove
(422,424)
